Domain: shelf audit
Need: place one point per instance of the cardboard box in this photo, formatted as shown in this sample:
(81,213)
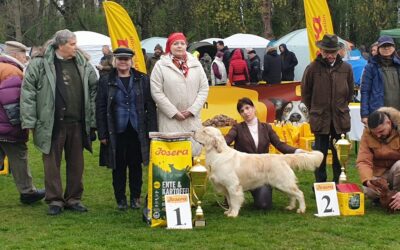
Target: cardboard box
(306,143)
(351,199)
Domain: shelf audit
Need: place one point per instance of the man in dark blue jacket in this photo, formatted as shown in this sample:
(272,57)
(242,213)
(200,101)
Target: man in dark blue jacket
(380,84)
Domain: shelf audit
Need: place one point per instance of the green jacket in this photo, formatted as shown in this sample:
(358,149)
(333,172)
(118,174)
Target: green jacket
(37,101)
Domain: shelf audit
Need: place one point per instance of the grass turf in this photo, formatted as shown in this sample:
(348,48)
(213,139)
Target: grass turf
(104,227)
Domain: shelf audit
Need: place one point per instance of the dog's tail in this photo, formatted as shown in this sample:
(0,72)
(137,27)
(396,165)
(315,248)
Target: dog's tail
(304,161)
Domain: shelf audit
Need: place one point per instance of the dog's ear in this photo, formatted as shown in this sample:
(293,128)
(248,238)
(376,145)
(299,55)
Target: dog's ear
(217,144)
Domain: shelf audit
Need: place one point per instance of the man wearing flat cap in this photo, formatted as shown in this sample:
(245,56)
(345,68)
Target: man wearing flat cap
(380,84)
(125,114)
(58,105)
(12,137)
(327,89)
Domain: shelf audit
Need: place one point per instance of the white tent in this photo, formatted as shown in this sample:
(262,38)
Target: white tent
(149,43)
(92,43)
(245,41)
(297,42)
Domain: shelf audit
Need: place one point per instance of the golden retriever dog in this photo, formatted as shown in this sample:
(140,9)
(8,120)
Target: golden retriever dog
(233,172)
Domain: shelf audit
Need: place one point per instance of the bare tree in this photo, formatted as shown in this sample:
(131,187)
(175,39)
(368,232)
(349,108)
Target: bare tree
(266,10)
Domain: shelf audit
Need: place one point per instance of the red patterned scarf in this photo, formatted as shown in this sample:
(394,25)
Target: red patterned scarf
(181,64)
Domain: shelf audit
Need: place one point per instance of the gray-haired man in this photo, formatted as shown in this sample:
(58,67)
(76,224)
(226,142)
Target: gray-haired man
(58,105)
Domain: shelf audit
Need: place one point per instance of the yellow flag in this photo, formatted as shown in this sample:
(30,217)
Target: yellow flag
(318,23)
(123,33)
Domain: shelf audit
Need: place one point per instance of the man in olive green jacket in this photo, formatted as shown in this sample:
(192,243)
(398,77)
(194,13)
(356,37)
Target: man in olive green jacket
(58,105)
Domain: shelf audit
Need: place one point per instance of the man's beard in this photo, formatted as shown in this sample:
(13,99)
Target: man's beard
(383,139)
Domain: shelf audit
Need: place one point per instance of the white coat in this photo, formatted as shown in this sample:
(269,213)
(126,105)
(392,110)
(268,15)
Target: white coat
(173,92)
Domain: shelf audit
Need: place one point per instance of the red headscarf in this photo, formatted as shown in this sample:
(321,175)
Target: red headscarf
(172,38)
(180,63)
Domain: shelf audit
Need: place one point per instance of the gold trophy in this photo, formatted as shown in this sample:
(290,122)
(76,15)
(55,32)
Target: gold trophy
(198,180)
(343,147)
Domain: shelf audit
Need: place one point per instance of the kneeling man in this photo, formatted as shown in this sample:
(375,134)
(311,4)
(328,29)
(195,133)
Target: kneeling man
(379,156)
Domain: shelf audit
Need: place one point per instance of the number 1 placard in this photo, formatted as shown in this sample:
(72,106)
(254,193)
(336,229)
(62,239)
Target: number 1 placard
(326,198)
(179,215)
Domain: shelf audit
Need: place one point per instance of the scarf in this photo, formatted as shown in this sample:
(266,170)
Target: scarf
(181,64)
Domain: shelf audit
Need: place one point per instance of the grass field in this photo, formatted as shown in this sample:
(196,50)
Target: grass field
(104,227)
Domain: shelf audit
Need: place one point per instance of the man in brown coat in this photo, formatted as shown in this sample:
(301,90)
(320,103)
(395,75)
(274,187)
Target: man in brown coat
(327,89)
(379,156)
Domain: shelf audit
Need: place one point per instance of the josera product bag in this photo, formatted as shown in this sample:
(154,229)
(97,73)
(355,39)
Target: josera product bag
(170,157)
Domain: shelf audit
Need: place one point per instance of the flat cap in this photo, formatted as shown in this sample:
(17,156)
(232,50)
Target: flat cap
(123,52)
(14,46)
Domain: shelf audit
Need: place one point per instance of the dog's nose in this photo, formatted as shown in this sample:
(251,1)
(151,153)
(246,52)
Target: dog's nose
(295,117)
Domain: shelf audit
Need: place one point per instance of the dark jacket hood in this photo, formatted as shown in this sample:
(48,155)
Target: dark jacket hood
(284,46)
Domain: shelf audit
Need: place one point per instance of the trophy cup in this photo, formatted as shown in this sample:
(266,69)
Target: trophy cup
(343,147)
(198,179)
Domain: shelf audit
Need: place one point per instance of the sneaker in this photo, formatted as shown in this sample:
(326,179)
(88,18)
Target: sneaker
(135,203)
(54,210)
(78,207)
(122,205)
(33,197)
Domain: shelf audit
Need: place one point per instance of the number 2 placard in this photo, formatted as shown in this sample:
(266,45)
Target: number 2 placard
(326,197)
(179,215)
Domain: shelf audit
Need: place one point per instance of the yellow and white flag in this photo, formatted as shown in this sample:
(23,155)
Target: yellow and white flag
(123,33)
(318,23)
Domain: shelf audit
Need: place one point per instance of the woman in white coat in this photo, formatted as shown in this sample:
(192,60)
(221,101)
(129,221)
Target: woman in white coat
(179,87)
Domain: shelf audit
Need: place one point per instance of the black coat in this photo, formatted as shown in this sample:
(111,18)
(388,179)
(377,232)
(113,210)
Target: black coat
(289,61)
(227,58)
(254,69)
(272,67)
(145,109)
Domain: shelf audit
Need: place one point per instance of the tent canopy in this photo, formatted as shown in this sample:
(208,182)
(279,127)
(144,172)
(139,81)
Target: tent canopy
(395,33)
(245,41)
(92,43)
(149,43)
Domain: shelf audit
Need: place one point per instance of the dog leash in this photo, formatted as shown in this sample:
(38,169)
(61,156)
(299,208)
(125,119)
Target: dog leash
(223,205)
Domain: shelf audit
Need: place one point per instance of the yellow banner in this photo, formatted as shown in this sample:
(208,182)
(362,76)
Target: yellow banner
(123,33)
(318,23)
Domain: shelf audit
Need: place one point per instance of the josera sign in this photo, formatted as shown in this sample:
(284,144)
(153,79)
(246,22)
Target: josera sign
(268,99)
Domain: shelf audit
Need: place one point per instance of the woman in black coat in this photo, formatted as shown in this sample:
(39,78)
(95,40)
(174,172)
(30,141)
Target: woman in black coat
(125,114)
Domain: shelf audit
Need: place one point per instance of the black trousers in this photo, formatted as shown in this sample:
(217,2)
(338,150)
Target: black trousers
(262,197)
(323,143)
(128,155)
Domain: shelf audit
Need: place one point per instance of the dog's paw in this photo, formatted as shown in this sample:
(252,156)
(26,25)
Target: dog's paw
(301,211)
(290,207)
(233,214)
(227,212)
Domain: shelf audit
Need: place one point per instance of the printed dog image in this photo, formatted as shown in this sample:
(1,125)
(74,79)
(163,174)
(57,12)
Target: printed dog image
(293,111)
(233,172)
